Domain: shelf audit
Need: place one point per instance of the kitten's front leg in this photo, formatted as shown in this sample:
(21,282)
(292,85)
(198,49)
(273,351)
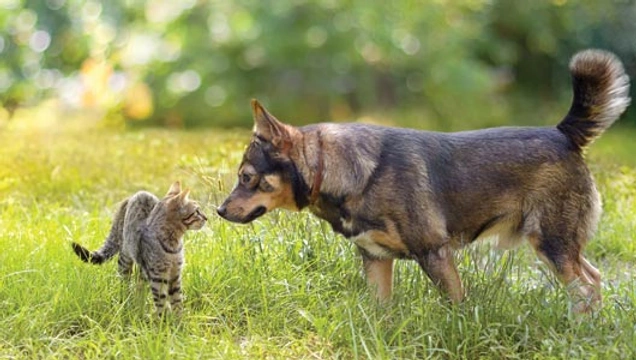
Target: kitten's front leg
(159,287)
(176,297)
(124,265)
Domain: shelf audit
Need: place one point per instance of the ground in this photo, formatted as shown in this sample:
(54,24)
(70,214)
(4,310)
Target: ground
(283,287)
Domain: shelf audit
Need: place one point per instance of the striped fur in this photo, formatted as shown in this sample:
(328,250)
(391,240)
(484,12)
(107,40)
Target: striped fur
(149,231)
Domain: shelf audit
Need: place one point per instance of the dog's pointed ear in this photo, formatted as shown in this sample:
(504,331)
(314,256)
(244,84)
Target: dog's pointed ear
(270,129)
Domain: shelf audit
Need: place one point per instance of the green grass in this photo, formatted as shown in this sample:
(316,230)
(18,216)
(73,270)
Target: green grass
(283,287)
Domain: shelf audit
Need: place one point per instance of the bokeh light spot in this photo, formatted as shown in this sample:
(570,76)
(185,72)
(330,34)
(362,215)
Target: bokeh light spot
(215,95)
(40,41)
(316,36)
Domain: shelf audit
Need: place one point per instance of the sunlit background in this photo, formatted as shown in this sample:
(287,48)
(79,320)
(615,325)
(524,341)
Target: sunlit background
(100,99)
(441,64)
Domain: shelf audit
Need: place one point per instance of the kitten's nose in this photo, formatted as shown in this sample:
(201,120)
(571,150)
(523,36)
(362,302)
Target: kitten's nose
(221,210)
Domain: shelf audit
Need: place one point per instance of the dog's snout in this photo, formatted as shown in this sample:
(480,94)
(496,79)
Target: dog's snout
(221,210)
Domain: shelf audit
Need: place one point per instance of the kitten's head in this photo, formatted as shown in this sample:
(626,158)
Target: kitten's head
(183,210)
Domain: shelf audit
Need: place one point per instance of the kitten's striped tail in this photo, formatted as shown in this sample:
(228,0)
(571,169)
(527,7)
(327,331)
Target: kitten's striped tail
(111,245)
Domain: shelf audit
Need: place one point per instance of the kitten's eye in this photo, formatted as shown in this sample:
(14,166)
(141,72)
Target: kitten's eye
(190,219)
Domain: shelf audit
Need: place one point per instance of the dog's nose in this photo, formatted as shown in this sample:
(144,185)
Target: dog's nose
(221,210)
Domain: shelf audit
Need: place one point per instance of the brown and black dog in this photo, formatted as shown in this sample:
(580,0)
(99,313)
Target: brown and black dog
(407,194)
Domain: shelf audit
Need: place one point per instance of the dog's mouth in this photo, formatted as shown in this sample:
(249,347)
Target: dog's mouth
(256,213)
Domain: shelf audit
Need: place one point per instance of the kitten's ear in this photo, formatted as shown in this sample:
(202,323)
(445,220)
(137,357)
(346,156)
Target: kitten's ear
(183,196)
(175,189)
(270,129)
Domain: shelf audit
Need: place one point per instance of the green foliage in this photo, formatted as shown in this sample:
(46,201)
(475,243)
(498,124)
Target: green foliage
(197,63)
(283,287)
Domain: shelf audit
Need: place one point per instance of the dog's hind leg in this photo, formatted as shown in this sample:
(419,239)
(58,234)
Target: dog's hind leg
(590,271)
(379,274)
(438,264)
(572,269)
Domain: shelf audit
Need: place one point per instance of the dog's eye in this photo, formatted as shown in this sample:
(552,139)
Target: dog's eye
(245,179)
(265,186)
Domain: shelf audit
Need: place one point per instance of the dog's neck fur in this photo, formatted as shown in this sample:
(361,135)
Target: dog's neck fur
(336,149)
(310,162)
(319,151)
(318,176)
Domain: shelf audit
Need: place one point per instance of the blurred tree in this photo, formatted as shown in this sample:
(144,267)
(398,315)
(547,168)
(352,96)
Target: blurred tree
(197,63)
(539,37)
(39,45)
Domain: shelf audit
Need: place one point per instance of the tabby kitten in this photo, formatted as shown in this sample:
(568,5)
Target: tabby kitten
(149,232)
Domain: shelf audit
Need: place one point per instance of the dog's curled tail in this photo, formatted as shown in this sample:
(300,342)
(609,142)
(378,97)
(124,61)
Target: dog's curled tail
(601,95)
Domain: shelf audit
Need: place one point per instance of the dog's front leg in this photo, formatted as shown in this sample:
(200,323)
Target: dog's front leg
(379,274)
(439,266)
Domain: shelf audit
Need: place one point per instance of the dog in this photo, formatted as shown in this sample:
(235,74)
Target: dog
(406,194)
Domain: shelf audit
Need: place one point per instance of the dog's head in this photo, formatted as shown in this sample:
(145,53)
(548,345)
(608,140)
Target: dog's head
(268,178)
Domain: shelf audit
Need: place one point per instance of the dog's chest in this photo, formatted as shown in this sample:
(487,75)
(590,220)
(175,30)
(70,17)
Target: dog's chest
(366,242)
(384,243)
(334,211)
(375,235)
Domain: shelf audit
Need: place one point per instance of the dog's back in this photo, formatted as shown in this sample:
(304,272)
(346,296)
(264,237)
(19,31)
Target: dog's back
(524,177)
(505,176)
(534,180)
(449,189)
